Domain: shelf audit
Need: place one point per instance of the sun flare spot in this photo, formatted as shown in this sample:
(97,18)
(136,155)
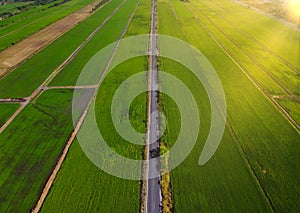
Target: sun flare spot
(295,7)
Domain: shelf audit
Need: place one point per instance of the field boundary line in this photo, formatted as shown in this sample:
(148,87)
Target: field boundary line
(285,114)
(70,87)
(40,89)
(6,70)
(80,122)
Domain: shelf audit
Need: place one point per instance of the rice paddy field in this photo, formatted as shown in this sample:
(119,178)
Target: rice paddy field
(6,111)
(15,28)
(257,59)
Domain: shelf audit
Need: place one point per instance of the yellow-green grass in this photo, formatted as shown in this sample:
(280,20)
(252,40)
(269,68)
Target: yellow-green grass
(31,145)
(26,78)
(292,107)
(255,167)
(6,110)
(277,36)
(247,50)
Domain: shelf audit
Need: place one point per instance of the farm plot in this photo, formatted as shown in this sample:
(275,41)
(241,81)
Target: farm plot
(269,70)
(119,195)
(262,158)
(18,30)
(108,34)
(31,145)
(26,78)
(6,110)
(11,8)
(102,192)
(276,36)
(24,14)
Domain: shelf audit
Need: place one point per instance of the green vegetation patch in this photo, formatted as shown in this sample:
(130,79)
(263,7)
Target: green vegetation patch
(26,78)
(32,23)
(31,145)
(82,187)
(6,110)
(255,165)
(93,190)
(110,33)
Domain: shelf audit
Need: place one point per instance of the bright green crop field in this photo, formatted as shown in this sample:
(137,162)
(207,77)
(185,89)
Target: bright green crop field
(87,175)
(6,110)
(30,147)
(108,34)
(255,167)
(33,22)
(26,78)
(99,187)
(257,58)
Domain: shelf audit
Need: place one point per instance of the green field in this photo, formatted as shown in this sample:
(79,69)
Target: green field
(30,147)
(32,23)
(253,152)
(24,80)
(12,7)
(257,58)
(270,68)
(107,35)
(6,111)
(90,174)
(99,187)
(31,10)
(92,178)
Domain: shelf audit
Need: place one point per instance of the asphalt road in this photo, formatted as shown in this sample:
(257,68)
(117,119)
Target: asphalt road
(153,185)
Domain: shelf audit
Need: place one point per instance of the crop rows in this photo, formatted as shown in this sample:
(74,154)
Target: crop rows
(31,23)
(26,78)
(48,119)
(99,195)
(6,111)
(251,165)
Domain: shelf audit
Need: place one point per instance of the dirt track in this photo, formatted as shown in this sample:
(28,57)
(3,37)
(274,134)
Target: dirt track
(16,54)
